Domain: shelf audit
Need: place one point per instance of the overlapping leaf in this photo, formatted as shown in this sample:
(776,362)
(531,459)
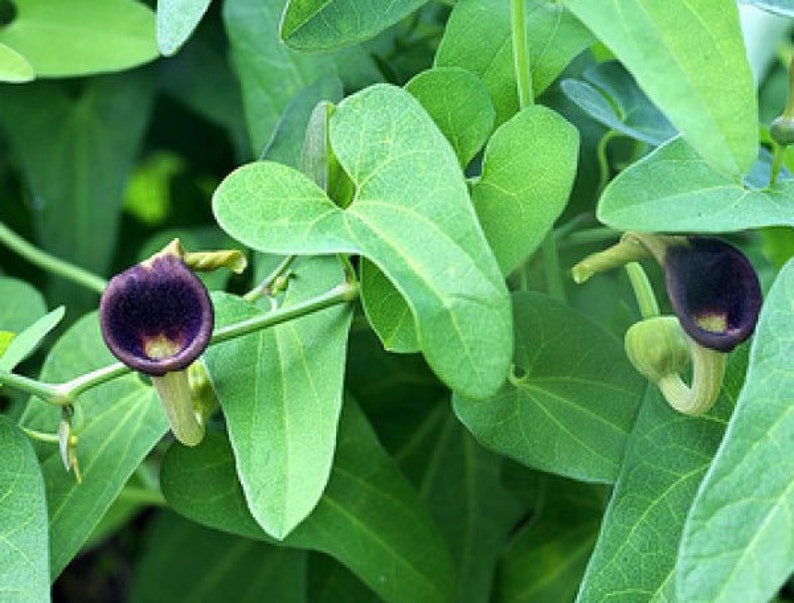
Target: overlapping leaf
(119,423)
(323,24)
(666,457)
(22,305)
(81,37)
(411,216)
(14,67)
(24,555)
(175,21)
(369,518)
(281,393)
(737,544)
(562,412)
(477,37)
(29,339)
(689,58)
(527,175)
(674,190)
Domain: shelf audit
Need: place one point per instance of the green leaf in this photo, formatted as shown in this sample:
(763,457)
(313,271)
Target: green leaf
(386,310)
(76,152)
(674,190)
(325,24)
(175,21)
(22,305)
(420,231)
(527,175)
(369,517)
(666,457)
(261,59)
(477,37)
(689,58)
(281,393)
(331,582)
(545,561)
(28,340)
(185,562)
(610,95)
(737,543)
(14,67)
(117,424)
(81,37)
(460,104)
(462,486)
(24,567)
(562,412)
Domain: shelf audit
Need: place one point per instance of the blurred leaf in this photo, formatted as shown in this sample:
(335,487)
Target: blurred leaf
(674,190)
(779,7)
(148,194)
(527,175)
(545,561)
(332,582)
(29,339)
(562,412)
(369,518)
(737,543)
(117,423)
(76,153)
(14,67)
(24,558)
(460,105)
(325,24)
(82,36)
(411,216)
(187,563)
(666,457)
(477,37)
(175,21)
(281,393)
(610,95)
(22,305)
(778,244)
(689,58)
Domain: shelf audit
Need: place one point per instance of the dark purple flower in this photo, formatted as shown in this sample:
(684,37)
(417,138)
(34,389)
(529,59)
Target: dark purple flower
(714,291)
(157,316)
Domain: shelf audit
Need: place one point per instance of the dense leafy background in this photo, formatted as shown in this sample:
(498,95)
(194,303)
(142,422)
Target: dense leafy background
(470,429)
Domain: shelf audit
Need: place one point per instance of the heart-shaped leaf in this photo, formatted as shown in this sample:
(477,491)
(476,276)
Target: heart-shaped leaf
(24,554)
(527,175)
(737,544)
(120,423)
(369,517)
(281,393)
(673,190)
(689,58)
(421,231)
(563,413)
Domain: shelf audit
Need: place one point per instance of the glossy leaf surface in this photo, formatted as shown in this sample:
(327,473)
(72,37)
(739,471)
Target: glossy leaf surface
(420,230)
(24,555)
(281,393)
(113,439)
(689,58)
(564,413)
(737,545)
(369,517)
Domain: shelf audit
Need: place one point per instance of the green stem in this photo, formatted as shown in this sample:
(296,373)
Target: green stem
(49,262)
(551,265)
(643,292)
(266,284)
(777,163)
(603,160)
(521,53)
(62,394)
(47,438)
